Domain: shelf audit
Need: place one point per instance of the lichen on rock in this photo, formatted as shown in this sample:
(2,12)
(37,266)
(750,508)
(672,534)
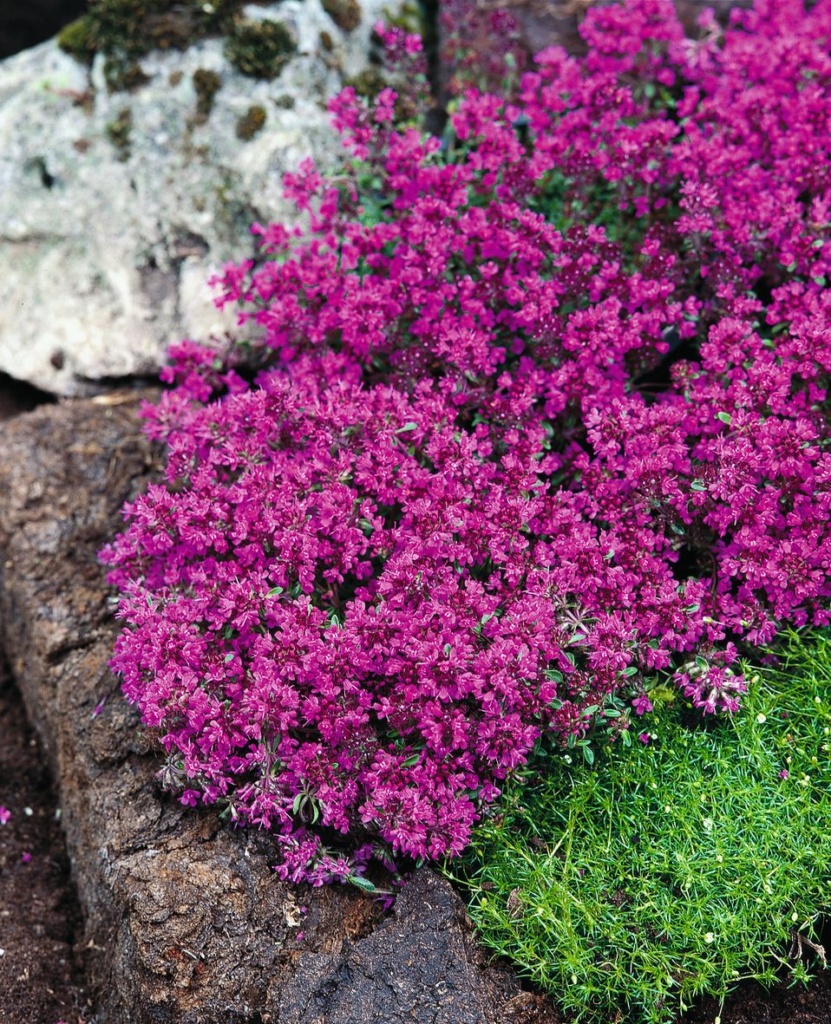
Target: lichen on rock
(251,122)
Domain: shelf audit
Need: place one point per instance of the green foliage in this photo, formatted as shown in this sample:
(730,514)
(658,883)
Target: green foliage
(260,49)
(671,869)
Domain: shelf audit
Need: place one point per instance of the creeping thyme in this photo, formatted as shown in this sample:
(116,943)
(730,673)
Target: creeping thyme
(539,422)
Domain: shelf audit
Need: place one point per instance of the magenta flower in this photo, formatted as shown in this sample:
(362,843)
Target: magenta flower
(528,418)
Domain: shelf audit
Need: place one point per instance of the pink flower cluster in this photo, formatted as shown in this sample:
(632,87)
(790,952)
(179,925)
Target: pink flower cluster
(539,418)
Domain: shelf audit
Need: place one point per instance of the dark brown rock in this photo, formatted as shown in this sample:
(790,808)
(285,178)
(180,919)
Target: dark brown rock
(185,922)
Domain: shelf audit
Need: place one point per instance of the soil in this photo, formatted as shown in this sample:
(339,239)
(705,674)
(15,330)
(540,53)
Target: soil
(41,970)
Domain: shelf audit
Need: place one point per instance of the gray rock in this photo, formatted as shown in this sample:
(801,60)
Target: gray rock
(185,922)
(116,208)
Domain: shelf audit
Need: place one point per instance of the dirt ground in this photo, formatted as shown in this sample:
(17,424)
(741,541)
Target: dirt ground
(41,970)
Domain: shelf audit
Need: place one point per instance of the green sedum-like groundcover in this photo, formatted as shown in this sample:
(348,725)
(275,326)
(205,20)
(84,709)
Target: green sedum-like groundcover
(699,856)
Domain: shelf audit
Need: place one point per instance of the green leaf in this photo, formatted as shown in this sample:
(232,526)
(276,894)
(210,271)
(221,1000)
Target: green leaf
(362,883)
(725,417)
(274,592)
(407,427)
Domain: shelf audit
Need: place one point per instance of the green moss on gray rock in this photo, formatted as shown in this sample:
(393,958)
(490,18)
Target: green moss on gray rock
(125,30)
(118,132)
(260,49)
(206,84)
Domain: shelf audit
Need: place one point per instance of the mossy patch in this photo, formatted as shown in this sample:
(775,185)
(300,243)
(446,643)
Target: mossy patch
(206,84)
(346,14)
(124,76)
(655,874)
(125,30)
(78,39)
(410,17)
(251,122)
(368,83)
(260,49)
(118,132)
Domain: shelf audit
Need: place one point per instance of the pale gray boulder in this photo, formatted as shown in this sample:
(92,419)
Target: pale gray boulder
(117,208)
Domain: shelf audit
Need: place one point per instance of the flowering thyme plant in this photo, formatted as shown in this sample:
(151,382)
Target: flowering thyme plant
(539,422)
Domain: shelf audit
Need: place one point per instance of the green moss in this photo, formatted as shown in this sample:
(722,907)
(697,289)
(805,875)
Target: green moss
(368,83)
(668,870)
(118,132)
(125,30)
(250,123)
(409,17)
(346,14)
(260,49)
(123,75)
(207,84)
(78,39)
